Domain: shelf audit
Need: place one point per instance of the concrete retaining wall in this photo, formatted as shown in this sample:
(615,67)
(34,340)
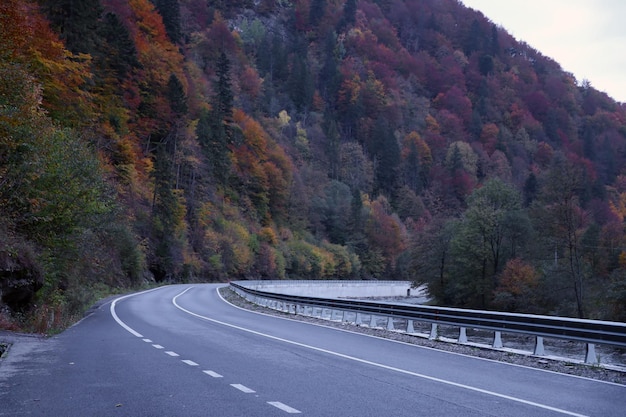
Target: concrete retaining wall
(333,289)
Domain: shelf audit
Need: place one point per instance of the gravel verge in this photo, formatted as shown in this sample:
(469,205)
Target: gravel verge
(598,372)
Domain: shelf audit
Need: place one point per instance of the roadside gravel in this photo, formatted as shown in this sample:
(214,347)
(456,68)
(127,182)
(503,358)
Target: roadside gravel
(554,365)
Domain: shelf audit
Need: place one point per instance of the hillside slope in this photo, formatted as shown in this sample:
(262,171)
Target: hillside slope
(174,141)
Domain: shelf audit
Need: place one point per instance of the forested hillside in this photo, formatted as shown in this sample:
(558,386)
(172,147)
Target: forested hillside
(185,140)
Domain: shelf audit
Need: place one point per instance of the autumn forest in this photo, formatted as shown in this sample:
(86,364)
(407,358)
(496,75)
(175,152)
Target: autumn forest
(164,141)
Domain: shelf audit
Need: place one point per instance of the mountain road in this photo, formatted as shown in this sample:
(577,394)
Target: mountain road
(182,350)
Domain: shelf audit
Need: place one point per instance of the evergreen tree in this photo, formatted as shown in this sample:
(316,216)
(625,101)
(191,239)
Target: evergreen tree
(119,50)
(176,96)
(495,42)
(317,11)
(474,39)
(530,189)
(170,12)
(356,225)
(300,82)
(223,98)
(349,15)
(77,22)
(386,151)
(333,151)
(329,76)
(412,169)
(212,135)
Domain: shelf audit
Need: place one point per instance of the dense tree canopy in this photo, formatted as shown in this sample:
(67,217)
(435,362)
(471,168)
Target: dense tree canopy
(194,140)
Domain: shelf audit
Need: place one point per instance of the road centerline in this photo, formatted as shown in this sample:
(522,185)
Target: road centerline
(243,388)
(212,374)
(284,407)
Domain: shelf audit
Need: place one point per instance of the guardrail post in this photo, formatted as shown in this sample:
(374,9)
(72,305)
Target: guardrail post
(390,323)
(373,321)
(358,319)
(539,351)
(462,335)
(433,332)
(497,340)
(590,357)
(409,326)
(346,316)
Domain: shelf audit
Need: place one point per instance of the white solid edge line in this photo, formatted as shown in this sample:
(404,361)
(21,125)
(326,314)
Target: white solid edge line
(379,365)
(284,407)
(213,374)
(243,388)
(515,365)
(118,320)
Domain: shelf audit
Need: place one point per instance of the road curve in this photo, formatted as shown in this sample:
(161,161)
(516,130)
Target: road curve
(181,350)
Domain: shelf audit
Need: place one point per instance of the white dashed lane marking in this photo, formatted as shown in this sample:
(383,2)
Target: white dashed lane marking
(243,388)
(213,374)
(284,407)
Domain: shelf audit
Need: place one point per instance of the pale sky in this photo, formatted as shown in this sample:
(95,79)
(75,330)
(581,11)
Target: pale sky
(586,37)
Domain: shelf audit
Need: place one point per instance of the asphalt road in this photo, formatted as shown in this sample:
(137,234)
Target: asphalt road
(183,351)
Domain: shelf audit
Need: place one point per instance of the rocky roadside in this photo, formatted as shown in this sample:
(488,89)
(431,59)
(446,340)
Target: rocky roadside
(565,367)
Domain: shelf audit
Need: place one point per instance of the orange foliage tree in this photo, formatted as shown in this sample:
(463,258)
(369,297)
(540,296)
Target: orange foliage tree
(517,284)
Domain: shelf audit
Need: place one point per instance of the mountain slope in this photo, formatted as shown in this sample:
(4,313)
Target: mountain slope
(306,139)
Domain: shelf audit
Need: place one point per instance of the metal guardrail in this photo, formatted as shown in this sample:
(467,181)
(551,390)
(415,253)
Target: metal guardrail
(588,331)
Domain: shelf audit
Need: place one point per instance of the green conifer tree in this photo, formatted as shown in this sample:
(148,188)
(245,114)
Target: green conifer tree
(170,12)
(176,96)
